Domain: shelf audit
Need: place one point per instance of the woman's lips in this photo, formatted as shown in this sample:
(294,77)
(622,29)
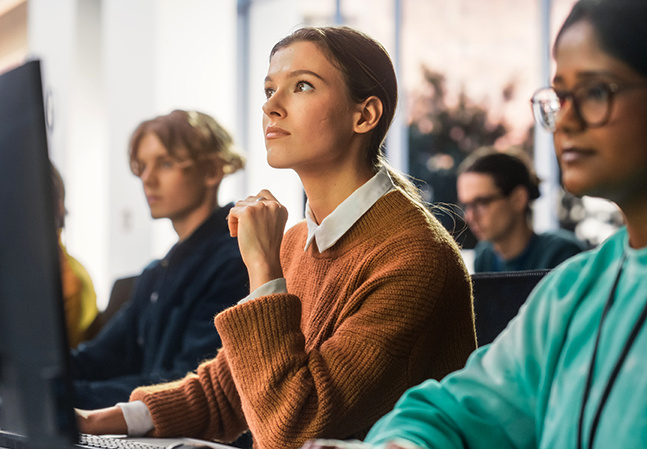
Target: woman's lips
(274,132)
(570,155)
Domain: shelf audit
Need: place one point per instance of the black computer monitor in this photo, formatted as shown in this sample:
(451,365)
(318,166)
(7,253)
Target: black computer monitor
(35,393)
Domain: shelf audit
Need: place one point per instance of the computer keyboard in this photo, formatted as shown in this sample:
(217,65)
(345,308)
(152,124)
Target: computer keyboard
(101,442)
(84,441)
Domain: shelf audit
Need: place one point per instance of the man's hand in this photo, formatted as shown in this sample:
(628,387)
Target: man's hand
(105,421)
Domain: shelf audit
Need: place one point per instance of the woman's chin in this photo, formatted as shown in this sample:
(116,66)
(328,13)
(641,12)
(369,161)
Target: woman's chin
(277,164)
(274,161)
(578,185)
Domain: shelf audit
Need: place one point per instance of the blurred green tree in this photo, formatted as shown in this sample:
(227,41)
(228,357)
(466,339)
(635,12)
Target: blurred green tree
(440,138)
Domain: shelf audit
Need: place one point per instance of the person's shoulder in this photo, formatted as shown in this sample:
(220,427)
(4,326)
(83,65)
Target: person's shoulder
(399,214)
(551,248)
(151,266)
(409,231)
(484,257)
(483,247)
(79,269)
(607,251)
(581,273)
(213,239)
(560,237)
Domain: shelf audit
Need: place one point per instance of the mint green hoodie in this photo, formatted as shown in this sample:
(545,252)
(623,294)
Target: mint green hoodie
(525,389)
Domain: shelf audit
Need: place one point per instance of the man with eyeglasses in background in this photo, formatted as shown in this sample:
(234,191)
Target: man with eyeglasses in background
(495,190)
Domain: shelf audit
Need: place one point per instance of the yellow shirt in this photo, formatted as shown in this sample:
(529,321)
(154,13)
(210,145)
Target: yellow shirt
(79,297)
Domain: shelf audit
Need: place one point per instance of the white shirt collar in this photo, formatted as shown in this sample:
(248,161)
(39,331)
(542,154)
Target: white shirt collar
(335,225)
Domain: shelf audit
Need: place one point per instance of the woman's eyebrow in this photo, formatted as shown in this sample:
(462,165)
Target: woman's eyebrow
(296,73)
(588,75)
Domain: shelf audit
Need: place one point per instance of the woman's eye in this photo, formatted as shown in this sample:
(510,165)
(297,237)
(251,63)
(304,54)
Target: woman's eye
(303,86)
(268,92)
(167,163)
(596,93)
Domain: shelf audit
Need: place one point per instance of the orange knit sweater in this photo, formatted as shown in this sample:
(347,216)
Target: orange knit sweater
(388,306)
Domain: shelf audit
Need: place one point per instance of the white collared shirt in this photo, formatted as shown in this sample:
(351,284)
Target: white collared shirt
(326,234)
(335,225)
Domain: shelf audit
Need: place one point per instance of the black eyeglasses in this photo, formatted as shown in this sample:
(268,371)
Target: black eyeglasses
(592,103)
(480,204)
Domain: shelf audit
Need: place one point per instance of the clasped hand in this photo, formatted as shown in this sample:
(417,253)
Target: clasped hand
(259,222)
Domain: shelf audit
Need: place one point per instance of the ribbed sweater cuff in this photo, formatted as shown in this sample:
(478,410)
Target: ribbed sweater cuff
(259,326)
(184,418)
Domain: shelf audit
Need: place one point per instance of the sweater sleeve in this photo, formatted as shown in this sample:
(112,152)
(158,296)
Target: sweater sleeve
(202,405)
(495,399)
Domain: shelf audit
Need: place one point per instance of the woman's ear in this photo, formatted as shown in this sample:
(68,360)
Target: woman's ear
(368,115)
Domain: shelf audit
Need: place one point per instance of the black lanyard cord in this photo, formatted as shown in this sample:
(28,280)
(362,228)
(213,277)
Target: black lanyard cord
(616,369)
(589,378)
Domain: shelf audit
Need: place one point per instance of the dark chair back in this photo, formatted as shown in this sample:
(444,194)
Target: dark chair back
(497,299)
(119,295)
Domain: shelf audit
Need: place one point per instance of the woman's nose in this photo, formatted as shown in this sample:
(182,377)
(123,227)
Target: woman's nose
(568,117)
(274,106)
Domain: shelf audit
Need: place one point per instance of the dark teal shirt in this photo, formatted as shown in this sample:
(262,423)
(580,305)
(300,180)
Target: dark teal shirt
(525,390)
(545,250)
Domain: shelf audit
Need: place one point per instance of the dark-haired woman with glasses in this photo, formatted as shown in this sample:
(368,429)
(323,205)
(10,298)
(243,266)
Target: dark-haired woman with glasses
(570,369)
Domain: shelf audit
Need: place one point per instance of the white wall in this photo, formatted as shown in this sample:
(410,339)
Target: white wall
(129,48)
(195,69)
(50,36)
(85,153)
